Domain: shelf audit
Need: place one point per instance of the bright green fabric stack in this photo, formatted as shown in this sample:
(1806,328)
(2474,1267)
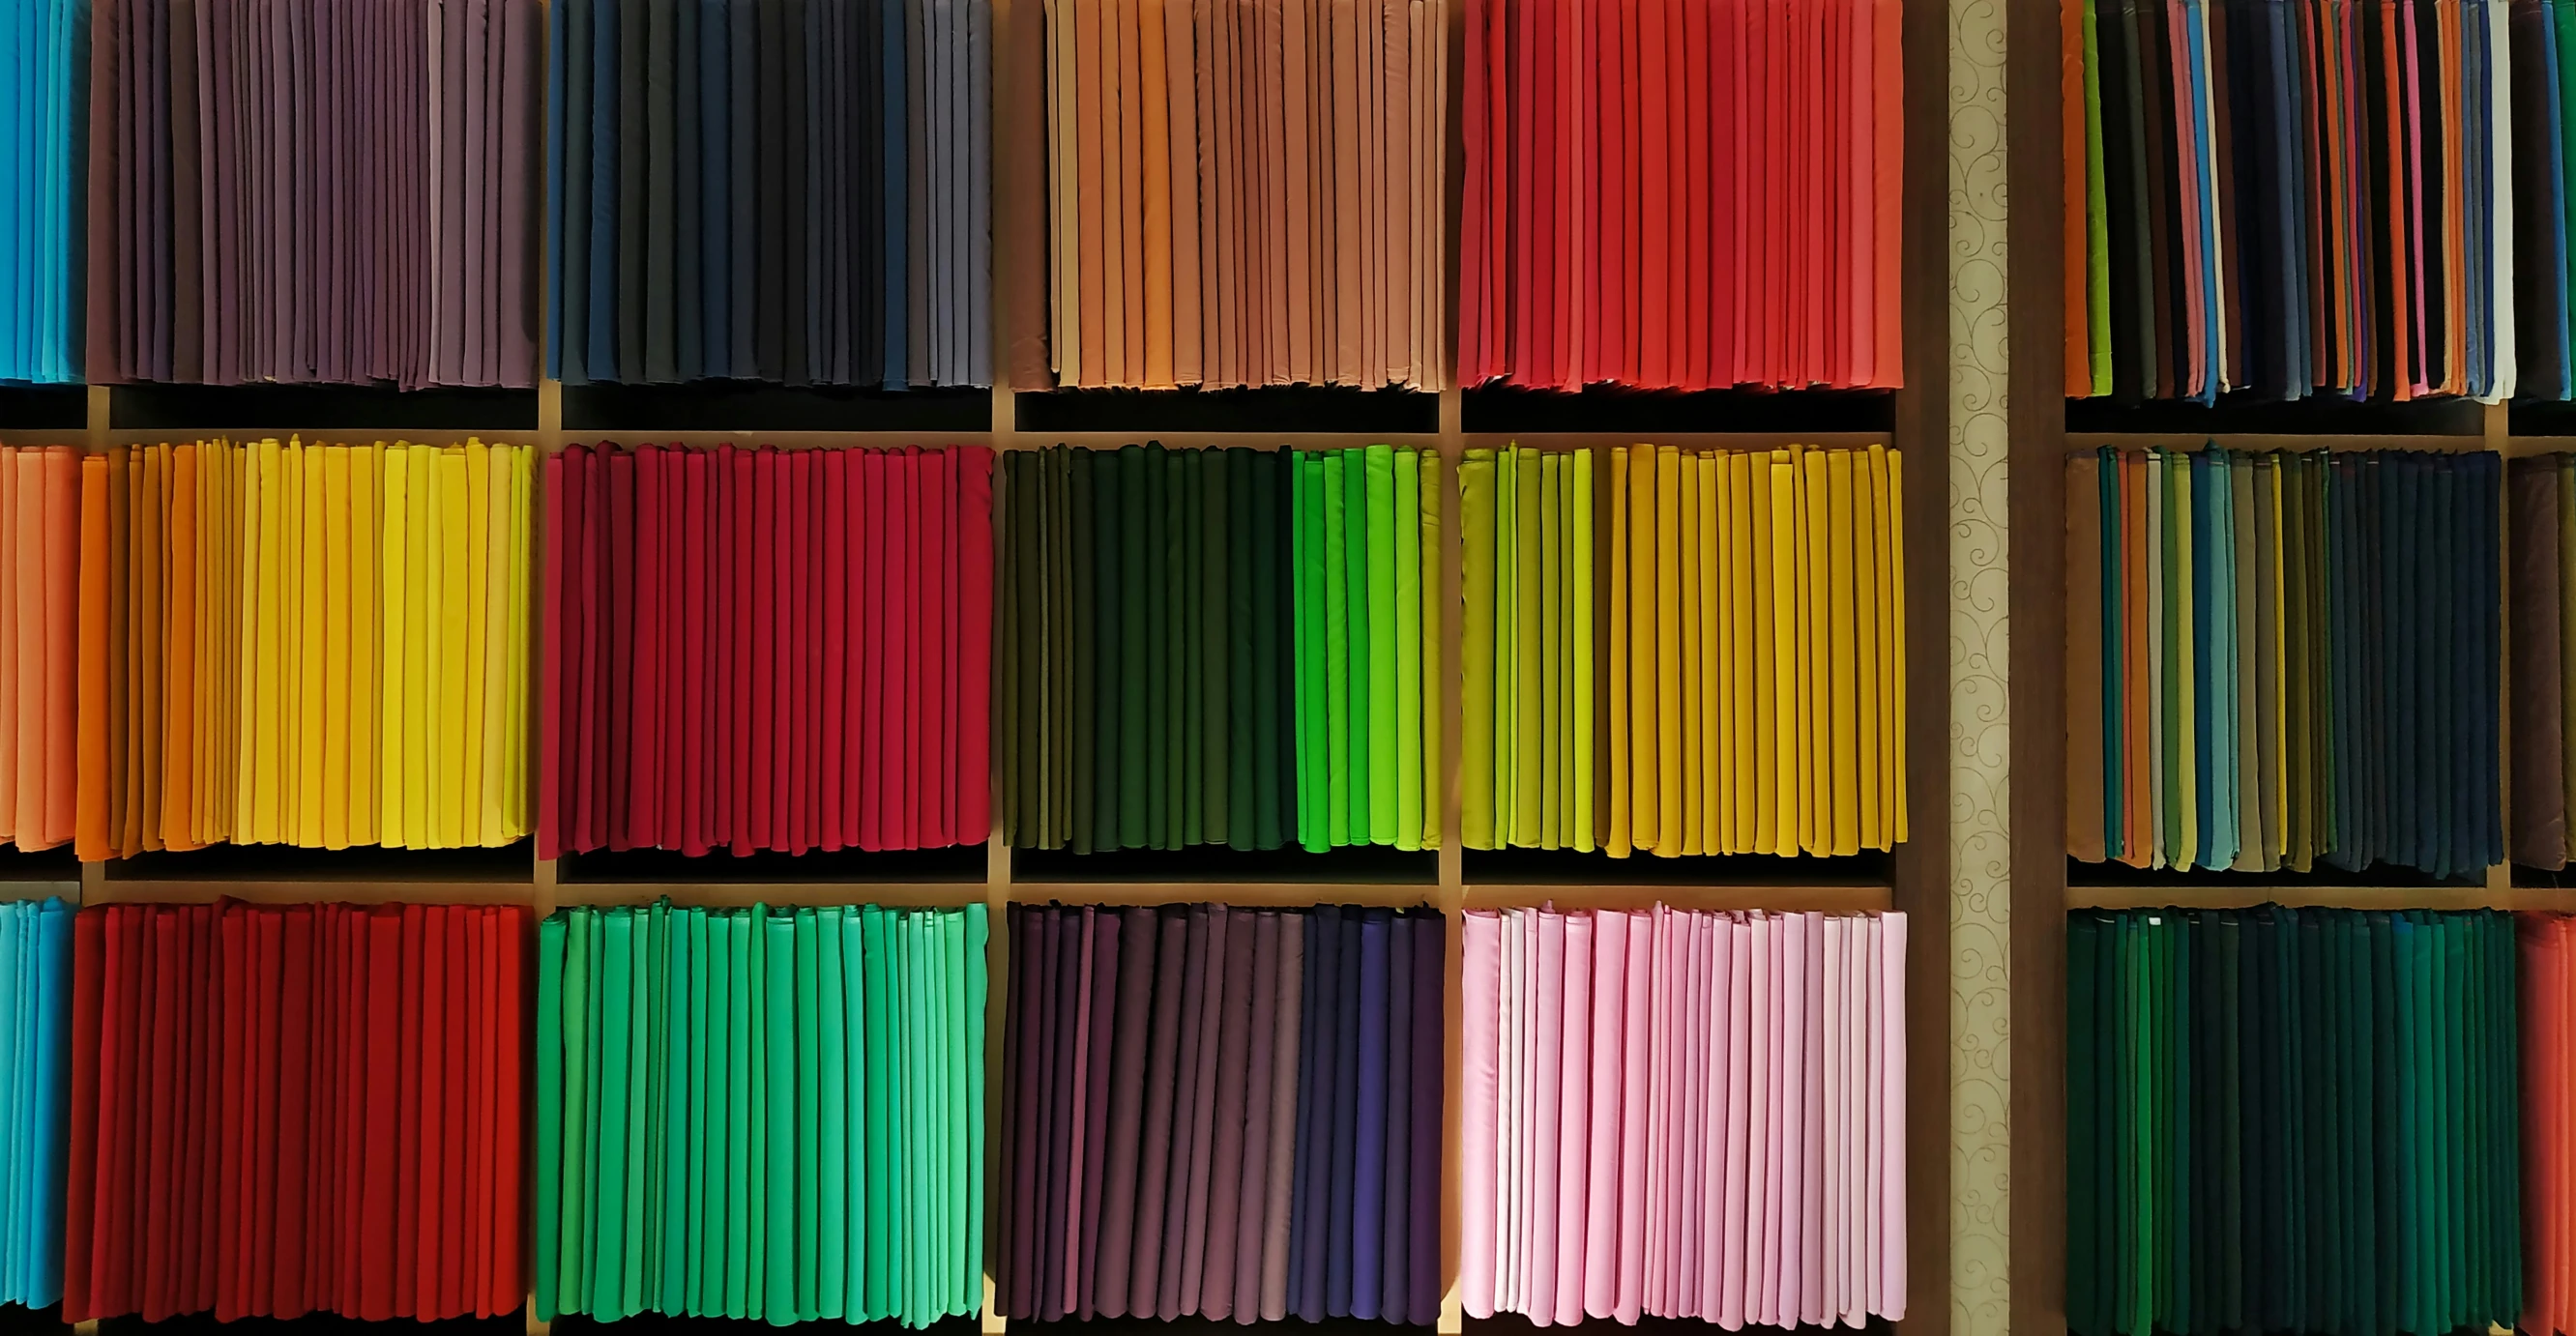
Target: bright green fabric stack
(764,1113)
(1366,528)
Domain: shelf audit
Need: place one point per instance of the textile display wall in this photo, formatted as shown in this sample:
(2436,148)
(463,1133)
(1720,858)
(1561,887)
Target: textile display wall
(765,649)
(44,44)
(1698,652)
(2277,660)
(374,221)
(40,537)
(2291,1120)
(1246,194)
(765,1113)
(2541,578)
(1367,641)
(2300,203)
(1222,1112)
(1684,195)
(35,993)
(288,1109)
(318,645)
(795,193)
(1151,664)
(1682,1114)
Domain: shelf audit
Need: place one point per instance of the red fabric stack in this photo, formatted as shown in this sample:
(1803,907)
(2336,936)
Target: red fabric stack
(284,1109)
(764,649)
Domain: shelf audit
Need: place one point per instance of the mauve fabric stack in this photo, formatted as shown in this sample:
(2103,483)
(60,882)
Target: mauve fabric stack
(1232,1113)
(340,193)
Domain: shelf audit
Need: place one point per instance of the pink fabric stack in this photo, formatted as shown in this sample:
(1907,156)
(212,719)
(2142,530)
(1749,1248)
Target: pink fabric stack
(1684,1115)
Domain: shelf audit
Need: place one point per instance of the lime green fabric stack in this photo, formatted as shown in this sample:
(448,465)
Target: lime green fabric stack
(761,1113)
(1366,525)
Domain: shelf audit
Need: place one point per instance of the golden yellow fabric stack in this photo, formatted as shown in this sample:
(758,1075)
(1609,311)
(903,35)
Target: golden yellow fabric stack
(318,645)
(1684,651)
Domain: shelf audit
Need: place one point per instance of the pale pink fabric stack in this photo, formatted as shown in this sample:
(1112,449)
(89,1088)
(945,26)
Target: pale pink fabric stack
(1681,1114)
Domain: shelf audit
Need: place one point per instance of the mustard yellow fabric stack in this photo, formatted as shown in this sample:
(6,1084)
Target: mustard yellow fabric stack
(1684,651)
(318,645)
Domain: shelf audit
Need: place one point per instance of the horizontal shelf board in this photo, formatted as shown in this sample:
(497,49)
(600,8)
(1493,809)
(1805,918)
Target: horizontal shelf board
(193,891)
(2170,440)
(755,407)
(1281,411)
(512,864)
(1644,895)
(1508,409)
(2380,876)
(1219,865)
(275,410)
(44,408)
(959,864)
(799,895)
(2315,416)
(1544,867)
(2313,897)
(1247,894)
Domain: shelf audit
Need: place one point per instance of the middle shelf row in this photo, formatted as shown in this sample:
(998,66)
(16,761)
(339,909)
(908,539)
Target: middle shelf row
(1695,652)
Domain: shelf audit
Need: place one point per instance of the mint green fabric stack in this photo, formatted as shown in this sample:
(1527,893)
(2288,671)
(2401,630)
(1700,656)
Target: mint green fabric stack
(761,1113)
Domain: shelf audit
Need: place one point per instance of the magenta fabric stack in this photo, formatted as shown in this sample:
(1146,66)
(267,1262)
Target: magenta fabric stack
(1681,1114)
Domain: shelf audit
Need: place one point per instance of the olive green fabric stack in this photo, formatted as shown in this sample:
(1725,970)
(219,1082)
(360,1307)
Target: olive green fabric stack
(761,1113)
(2291,1120)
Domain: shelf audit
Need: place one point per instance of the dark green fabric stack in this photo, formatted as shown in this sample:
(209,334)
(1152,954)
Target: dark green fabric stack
(2292,1121)
(772,1114)
(1144,684)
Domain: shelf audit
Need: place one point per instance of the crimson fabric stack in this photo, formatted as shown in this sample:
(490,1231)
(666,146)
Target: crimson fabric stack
(288,1109)
(755,649)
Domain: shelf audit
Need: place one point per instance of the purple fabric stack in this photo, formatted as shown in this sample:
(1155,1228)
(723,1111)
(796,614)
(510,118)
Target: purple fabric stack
(282,190)
(1232,1113)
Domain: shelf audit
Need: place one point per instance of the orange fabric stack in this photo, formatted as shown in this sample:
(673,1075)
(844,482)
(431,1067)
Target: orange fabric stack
(39,603)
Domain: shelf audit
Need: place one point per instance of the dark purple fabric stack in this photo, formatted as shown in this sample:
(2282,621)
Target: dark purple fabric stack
(283,190)
(1232,1113)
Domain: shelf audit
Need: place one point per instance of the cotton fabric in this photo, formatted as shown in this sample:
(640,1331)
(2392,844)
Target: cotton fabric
(761,649)
(44,44)
(288,1109)
(317,645)
(2286,659)
(764,1114)
(35,1013)
(41,518)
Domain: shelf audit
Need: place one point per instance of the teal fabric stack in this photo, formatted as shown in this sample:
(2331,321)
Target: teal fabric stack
(35,990)
(771,1114)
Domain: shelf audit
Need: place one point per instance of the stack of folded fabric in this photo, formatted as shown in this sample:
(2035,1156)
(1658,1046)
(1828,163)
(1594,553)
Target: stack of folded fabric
(40,586)
(41,176)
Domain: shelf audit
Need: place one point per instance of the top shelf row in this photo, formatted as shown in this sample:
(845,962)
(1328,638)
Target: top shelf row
(928,195)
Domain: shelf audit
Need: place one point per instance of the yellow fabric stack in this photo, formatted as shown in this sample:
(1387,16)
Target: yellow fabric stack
(315,645)
(1688,652)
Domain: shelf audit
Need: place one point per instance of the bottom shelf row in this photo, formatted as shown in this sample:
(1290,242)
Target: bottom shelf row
(807,1114)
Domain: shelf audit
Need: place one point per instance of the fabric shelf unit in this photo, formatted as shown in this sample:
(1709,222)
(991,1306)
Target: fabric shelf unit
(316,645)
(2310,202)
(2281,660)
(797,194)
(288,1109)
(2541,579)
(756,649)
(771,1114)
(1244,194)
(1230,646)
(1227,1113)
(44,44)
(1683,1114)
(1687,652)
(35,1011)
(376,224)
(2292,1120)
(40,546)
(1682,194)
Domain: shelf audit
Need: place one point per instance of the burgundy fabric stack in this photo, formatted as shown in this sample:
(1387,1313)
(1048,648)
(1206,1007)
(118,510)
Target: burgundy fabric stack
(310,192)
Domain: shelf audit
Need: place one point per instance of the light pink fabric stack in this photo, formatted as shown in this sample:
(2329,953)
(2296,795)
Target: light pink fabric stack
(1681,1114)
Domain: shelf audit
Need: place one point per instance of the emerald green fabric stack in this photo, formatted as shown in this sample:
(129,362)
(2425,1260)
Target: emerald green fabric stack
(1367,542)
(2291,1120)
(761,1113)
